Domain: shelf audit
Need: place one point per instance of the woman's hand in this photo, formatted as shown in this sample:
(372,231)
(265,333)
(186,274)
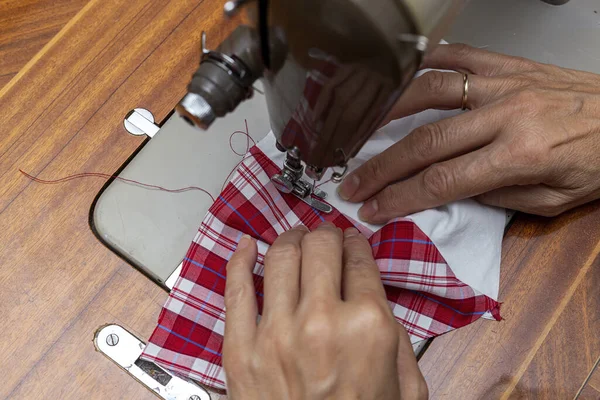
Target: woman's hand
(530,143)
(326,330)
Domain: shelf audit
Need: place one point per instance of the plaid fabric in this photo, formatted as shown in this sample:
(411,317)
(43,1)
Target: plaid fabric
(422,291)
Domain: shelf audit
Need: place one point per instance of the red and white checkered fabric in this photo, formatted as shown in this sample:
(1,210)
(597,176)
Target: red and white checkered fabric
(422,290)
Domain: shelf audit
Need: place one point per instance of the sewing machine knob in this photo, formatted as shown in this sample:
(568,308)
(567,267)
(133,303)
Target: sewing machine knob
(195,110)
(283,183)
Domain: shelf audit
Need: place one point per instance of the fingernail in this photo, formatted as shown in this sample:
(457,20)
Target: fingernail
(244,242)
(348,233)
(368,210)
(300,227)
(348,187)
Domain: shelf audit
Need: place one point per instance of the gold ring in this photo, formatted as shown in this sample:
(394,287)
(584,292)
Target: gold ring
(465,95)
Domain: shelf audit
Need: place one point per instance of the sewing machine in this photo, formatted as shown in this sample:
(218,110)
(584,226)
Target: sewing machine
(347,53)
(331,71)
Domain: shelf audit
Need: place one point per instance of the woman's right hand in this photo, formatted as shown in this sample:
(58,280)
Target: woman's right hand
(326,332)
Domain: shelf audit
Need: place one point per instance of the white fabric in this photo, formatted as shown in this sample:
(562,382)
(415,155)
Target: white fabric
(467,234)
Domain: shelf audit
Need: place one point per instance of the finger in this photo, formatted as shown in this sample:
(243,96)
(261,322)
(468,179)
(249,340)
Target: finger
(361,275)
(464,58)
(282,273)
(240,298)
(424,146)
(322,263)
(532,199)
(412,383)
(456,179)
(443,91)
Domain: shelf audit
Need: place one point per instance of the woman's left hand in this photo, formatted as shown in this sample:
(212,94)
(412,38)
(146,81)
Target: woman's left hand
(531,141)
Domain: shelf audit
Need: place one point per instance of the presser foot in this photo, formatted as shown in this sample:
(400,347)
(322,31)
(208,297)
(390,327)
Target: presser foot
(289,180)
(311,196)
(302,190)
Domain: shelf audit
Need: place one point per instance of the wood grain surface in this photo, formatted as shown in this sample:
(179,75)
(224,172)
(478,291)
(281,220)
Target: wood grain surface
(548,342)
(26,26)
(62,113)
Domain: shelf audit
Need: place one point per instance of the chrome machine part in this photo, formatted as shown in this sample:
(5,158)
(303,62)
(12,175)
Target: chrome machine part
(223,79)
(140,122)
(124,349)
(289,180)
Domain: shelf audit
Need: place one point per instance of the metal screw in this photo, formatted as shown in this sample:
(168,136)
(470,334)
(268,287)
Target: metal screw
(232,6)
(112,339)
(194,397)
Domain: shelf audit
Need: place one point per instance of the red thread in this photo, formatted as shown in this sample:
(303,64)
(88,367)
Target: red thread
(322,183)
(149,186)
(107,176)
(248,139)
(233,170)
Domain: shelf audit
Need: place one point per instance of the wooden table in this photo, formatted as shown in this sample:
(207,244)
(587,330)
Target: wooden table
(62,114)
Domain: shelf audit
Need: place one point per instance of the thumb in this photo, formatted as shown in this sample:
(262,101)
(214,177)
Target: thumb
(412,383)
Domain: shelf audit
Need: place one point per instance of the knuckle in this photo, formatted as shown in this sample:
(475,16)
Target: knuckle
(237,363)
(317,329)
(359,263)
(521,63)
(499,159)
(283,343)
(461,50)
(435,82)
(529,65)
(518,81)
(322,238)
(529,150)
(376,169)
(529,100)
(236,295)
(373,314)
(438,180)
(388,200)
(283,251)
(426,140)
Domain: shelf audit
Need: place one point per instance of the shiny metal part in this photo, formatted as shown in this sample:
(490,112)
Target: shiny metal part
(112,339)
(196,111)
(338,177)
(231,7)
(419,41)
(125,352)
(319,193)
(315,173)
(224,78)
(292,171)
(305,192)
(289,180)
(317,204)
(140,122)
(205,50)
